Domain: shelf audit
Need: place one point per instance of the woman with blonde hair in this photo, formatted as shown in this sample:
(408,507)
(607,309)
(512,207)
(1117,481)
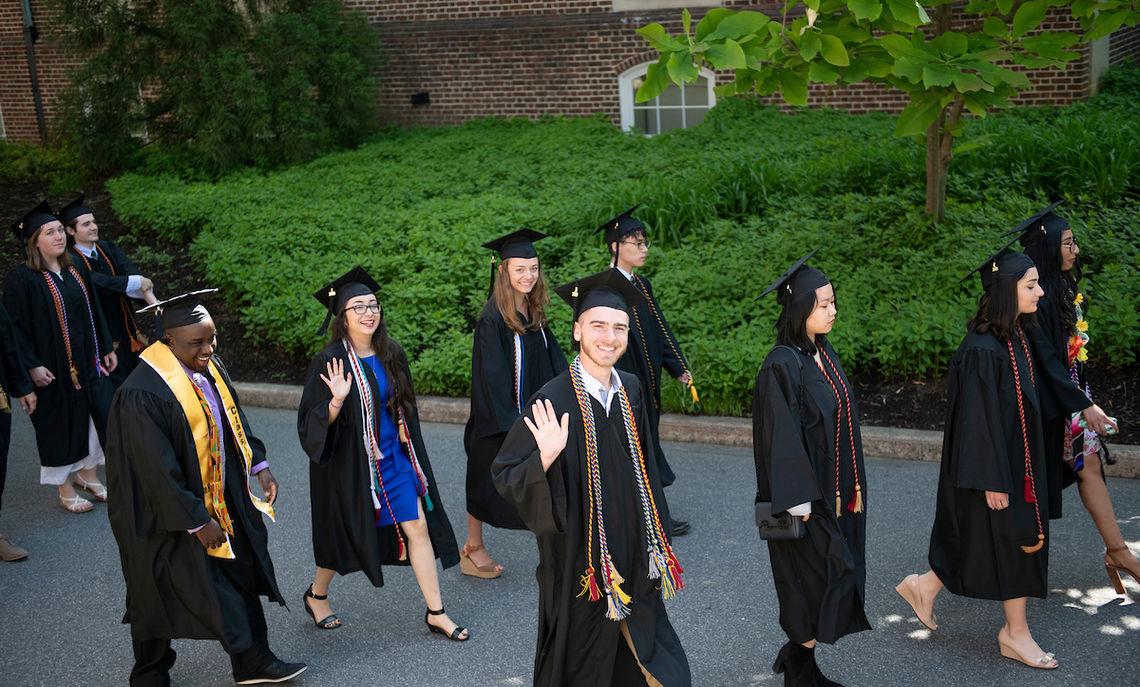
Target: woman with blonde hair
(65,346)
(513,355)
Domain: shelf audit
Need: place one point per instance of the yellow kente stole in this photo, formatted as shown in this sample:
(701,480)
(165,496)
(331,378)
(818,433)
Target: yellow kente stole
(207,435)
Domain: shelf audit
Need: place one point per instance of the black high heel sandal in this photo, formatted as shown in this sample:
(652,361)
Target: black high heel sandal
(455,634)
(330,623)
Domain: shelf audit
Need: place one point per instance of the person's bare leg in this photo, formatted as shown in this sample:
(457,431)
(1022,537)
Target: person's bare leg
(422,557)
(1095,497)
(321,582)
(88,475)
(1015,633)
(473,547)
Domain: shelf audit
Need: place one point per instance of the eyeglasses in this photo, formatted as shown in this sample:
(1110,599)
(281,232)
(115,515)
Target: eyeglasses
(1069,245)
(638,244)
(361,308)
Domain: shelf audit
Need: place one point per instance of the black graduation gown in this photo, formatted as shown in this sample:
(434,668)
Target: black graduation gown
(1060,396)
(975,550)
(110,280)
(652,347)
(62,410)
(493,405)
(15,383)
(577,644)
(175,590)
(345,536)
(820,579)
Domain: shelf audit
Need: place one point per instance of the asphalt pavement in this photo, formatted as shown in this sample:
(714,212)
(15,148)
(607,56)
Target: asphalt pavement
(60,609)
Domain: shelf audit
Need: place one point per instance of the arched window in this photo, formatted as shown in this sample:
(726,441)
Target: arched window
(675,108)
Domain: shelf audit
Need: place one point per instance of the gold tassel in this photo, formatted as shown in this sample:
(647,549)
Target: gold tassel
(693,393)
(838,505)
(4,406)
(74,377)
(1036,547)
(858,499)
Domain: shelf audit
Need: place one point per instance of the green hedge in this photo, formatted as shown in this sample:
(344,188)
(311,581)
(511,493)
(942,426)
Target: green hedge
(730,204)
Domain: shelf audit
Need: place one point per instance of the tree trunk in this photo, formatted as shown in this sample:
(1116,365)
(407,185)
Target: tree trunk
(936,167)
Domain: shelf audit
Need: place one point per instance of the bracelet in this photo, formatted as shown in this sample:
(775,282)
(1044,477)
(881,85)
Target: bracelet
(335,405)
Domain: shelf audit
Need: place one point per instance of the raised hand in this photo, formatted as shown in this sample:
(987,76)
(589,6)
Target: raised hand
(549,433)
(338,381)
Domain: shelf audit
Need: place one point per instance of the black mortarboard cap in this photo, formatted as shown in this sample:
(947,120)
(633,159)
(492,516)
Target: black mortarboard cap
(1042,223)
(32,220)
(607,288)
(353,283)
(179,311)
(1004,262)
(517,244)
(797,278)
(73,211)
(621,226)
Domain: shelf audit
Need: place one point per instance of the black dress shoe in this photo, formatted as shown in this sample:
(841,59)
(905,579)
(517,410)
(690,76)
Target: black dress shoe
(277,671)
(681,527)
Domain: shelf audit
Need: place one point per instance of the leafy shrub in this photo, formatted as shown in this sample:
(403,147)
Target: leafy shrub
(729,205)
(220,84)
(27,162)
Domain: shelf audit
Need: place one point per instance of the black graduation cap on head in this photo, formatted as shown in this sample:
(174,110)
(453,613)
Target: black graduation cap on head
(517,244)
(607,288)
(621,226)
(73,211)
(353,283)
(179,311)
(797,278)
(32,220)
(1041,224)
(1003,263)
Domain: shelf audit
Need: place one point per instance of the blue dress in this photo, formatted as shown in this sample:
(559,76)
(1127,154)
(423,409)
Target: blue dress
(400,482)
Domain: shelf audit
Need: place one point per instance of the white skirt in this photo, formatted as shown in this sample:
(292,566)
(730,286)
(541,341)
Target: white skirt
(60,475)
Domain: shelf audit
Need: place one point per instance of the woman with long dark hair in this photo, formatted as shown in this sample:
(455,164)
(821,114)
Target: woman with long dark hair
(64,345)
(513,355)
(990,538)
(1073,453)
(809,464)
(374,497)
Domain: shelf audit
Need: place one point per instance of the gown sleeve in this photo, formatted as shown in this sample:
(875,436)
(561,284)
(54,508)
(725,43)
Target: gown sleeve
(670,359)
(539,496)
(1060,395)
(496,374)
(313,429)
(18,382)
(18,294)
(146,454)
(115,283)
(979,455)
(784,473)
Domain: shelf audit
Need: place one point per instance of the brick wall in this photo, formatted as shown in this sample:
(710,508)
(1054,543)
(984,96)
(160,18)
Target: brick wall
(16,103)
(480,58)
(1125,44)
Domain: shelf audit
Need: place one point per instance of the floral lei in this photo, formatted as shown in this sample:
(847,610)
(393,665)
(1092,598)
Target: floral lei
(1078,342)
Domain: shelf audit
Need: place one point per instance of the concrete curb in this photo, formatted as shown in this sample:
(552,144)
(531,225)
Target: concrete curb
(884,442)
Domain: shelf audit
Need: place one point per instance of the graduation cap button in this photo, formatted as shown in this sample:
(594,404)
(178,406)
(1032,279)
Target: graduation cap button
(574,293)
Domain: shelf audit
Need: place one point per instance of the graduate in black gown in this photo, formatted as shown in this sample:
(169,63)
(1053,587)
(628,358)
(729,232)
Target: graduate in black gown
(117,282)
(64,345)
(16,391)
(374,496)
(1060,338)
(809,463)
(578,469)
(652,346)
(990,538)
(512,356)
(192,543)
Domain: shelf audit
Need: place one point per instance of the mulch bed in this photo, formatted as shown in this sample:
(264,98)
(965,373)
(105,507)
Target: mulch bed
(908,403)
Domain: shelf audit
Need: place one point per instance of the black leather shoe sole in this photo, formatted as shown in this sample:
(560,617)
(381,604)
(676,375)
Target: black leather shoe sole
(278,671)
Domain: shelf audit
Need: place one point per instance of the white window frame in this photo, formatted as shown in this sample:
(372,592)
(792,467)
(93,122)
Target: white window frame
(626,92)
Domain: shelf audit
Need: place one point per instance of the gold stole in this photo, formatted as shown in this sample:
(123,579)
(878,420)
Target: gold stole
(159,356)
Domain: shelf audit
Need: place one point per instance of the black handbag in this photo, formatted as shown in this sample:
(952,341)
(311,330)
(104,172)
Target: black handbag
(777,527)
